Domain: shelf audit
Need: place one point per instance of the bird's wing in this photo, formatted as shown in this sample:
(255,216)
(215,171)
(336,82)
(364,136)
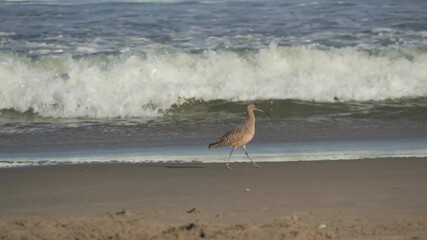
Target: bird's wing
(229,137)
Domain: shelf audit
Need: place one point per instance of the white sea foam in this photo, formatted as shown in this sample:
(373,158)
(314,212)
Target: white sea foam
(4,34)
(143,86)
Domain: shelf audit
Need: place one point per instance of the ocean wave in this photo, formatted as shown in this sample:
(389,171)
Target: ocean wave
(147,85)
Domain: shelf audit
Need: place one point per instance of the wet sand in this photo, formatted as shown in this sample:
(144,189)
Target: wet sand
(356,199)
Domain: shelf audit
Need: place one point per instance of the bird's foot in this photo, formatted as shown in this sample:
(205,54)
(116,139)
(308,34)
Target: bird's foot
(229,168)
(256,165)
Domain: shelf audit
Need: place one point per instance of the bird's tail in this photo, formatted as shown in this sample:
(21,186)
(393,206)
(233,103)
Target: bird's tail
(213,145)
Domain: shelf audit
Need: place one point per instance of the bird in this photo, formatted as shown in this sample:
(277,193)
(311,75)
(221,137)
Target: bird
(240,135)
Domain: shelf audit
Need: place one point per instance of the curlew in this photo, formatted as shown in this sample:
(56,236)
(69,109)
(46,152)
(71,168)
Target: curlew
(240,135)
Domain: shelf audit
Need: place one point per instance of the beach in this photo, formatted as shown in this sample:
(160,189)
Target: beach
(352,199)
(107,109)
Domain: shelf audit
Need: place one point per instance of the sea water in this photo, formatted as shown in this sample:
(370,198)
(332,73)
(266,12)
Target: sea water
(137,81)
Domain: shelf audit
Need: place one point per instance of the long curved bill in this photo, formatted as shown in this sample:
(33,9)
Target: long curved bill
(264,112)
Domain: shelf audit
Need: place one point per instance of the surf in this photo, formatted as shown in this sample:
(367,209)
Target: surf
(149,85)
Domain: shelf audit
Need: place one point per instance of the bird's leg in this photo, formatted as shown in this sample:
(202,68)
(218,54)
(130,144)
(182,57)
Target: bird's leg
(231,153)
(247,155)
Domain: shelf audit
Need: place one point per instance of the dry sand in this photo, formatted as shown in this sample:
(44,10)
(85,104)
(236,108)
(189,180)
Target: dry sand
(361,199)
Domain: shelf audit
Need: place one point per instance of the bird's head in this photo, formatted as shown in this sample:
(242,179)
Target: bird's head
(251,107)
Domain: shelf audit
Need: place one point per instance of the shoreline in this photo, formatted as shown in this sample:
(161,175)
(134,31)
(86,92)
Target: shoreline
(387,196)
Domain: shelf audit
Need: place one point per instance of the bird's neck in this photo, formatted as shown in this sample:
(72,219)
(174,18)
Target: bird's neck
(251,117)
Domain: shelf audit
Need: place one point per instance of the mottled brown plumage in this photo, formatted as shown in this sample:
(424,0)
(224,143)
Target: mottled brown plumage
(240,135)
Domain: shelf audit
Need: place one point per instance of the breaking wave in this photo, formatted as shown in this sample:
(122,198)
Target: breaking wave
(146,85)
